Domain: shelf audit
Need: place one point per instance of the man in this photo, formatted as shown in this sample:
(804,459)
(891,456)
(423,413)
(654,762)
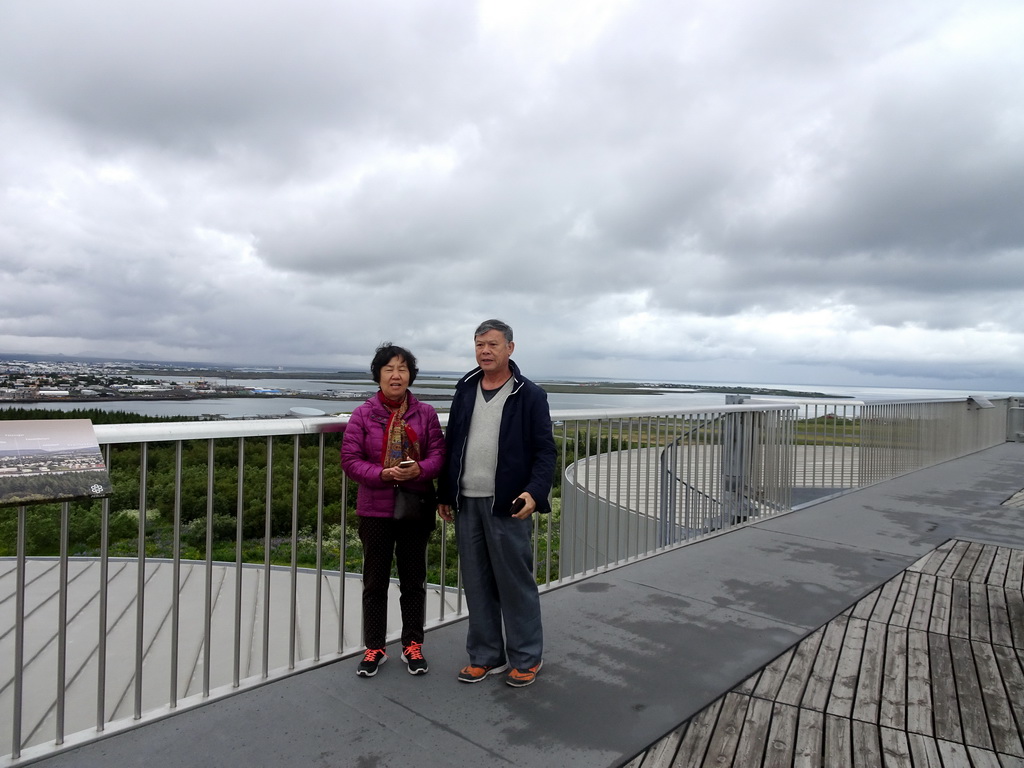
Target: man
(498,472)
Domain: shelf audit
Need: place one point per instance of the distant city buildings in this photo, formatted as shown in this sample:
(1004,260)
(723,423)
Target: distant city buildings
(27,381)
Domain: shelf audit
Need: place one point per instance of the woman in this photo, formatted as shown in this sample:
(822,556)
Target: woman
(393,441)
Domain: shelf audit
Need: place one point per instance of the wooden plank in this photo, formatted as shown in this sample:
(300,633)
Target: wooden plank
(772,676)
(1008,761)
(792,689)
(696,737)
(999,714)
(924,750)
(1015,609)
(838,741)
(887,597)
(663,752)
(922,563)
(810,736)
(944,702)
(868,692)
(983,758)
(895,749)
(920,615)
(953,753)
(903,606)
(892,709)
(751,747)
(746,687)
(983,568)
(819,684)
(867,745)
(965,568)
(844,682)
(781,742)
(1015,571)
(942,603)
(932,562)
(981,626)
(919,684)
(999,616)
(968,693)
(1011,670)
(725,738)
(1000,566)
(960,610)
(953,558)
(864,607)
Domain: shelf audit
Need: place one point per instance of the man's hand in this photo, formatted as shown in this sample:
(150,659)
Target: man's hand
(528,508)
(445,511)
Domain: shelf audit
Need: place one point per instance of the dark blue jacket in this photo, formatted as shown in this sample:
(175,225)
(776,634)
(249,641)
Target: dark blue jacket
(526,446)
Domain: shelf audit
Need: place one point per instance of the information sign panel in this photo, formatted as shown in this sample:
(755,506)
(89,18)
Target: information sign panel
(50,460)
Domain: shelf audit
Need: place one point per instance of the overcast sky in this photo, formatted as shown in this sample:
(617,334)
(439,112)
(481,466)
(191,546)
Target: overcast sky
(814,192)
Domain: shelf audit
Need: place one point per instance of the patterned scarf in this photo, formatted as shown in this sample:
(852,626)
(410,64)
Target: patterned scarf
(400,440)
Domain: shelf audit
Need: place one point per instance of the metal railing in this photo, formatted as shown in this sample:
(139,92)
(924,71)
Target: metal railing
(220,561)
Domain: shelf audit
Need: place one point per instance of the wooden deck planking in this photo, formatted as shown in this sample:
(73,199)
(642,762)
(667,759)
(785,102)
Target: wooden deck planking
(848,665)
(1015,575)
(927,671)
(694,744)
(868,692)
(781,740)
(892,707)
(1003,728)
(919,693)
(809,738)
(819,685)
(968,701)
(770,679)
(793,686)
(895,748)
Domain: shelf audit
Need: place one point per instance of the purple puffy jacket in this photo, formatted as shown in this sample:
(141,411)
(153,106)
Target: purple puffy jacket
(363,442)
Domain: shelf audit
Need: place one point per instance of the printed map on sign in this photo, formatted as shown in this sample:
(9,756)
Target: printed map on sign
(50,460)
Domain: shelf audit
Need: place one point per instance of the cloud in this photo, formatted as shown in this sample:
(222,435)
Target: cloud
(645,189)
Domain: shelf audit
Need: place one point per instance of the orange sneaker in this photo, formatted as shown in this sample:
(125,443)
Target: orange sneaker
(520,678)
(474,673)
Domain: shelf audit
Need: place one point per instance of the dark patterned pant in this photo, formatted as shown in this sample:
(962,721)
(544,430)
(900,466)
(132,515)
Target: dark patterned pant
(385,539)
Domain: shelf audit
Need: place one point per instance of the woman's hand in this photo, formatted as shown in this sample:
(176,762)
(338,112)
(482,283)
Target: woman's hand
(400,474)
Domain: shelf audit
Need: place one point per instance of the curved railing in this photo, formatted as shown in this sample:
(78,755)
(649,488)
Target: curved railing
(238,535)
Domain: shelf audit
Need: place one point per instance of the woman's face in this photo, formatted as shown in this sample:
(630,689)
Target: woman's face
(394,378)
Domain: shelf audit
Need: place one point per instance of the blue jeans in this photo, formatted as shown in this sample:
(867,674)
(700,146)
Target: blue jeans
(496,555)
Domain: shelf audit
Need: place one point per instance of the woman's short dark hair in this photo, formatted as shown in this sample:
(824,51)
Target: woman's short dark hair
(385,352)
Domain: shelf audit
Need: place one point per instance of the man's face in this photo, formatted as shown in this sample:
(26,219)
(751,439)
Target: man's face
(493,352)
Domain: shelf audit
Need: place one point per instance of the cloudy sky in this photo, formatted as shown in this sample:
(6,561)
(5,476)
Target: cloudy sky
(797,191)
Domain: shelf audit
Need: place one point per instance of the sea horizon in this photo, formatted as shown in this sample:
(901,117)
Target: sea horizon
(662,393)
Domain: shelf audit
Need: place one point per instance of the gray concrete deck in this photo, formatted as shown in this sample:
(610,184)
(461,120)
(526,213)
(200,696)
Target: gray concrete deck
(632,652)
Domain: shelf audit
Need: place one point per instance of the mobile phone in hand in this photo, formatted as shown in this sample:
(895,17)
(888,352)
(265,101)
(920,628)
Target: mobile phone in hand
(518,505)
(406,464)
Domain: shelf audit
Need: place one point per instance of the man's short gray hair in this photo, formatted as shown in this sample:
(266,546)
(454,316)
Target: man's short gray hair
(495,325)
